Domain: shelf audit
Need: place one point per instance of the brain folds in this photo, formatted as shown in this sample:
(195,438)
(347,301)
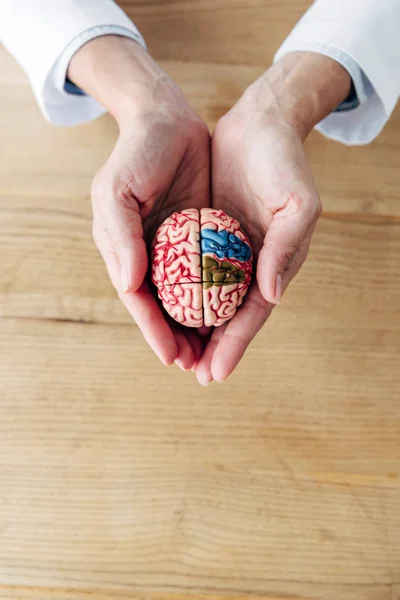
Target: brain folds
(201,266)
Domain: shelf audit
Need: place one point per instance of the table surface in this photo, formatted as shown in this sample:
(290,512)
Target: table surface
(121,479)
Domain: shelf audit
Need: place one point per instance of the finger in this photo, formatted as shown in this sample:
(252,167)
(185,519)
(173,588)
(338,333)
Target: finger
(239,333)
(197,345)
(141,305)
(189,336)
(108,255)
(288,234)
(203,370)
(151,322)
(185,354)
(120,215)
(204,332)
(296,263)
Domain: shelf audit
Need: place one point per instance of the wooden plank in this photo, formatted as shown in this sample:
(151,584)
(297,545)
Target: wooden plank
(25,593)
(122,479)
(37,159)
(359,183)
(51,269)
(50,266)
(235,32)
(286,475)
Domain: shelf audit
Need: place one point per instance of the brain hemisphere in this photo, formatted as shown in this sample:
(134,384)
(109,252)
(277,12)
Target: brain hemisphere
(176,251)
(227,266)
(201,265)
(184,303)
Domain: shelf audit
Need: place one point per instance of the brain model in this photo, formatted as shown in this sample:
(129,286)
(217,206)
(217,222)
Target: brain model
(201,265)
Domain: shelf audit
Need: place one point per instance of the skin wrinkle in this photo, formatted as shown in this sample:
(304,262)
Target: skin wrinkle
(157,129)
(258,174)
(260,182)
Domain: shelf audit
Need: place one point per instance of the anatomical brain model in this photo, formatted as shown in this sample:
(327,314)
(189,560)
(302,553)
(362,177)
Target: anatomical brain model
(201,265)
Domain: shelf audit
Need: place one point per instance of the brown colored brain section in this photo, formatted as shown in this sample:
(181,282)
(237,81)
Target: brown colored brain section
(201,266)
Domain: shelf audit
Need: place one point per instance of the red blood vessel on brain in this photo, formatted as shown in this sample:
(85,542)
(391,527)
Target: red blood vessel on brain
(201,265)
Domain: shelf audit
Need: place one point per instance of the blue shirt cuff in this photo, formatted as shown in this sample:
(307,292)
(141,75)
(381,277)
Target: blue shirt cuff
(352,101)
(73,89)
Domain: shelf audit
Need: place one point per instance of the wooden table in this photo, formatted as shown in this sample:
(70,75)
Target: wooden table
(121,479)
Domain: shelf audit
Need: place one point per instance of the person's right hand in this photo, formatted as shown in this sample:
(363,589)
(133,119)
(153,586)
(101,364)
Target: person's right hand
(160,164)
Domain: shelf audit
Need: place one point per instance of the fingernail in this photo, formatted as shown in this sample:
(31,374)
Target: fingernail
(204,383)
(278,288)
(164,362)
(124,279)
(180,365)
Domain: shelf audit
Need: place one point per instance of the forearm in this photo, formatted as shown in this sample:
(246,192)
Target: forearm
(303,88)
(119,73)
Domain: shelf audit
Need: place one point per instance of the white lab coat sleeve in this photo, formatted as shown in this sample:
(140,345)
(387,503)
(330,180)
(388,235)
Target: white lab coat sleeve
(43,35)
(364,36)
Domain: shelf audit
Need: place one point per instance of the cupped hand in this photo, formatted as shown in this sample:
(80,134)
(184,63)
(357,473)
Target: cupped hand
(160,164)
(261,177)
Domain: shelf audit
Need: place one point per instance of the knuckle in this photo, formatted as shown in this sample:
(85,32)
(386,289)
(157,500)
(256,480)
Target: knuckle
(308,205)
(296,203)
(108,189)
(290,251)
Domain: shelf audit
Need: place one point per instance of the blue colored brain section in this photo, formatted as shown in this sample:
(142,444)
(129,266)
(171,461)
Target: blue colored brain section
(224,245)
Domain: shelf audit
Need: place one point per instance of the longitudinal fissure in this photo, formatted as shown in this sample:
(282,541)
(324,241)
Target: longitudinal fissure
(204,248)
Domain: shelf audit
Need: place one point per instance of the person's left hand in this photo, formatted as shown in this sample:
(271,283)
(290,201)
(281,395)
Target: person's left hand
(261,177)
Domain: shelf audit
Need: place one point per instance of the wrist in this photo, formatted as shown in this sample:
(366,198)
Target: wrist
(121,75)
(303,88)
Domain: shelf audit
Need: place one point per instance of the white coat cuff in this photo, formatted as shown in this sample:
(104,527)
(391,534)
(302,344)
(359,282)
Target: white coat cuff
(43,35)
(374,87)
(58,105)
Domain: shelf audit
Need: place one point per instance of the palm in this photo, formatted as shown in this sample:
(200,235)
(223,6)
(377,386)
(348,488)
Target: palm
(158,166)
(186,185)
(258,169)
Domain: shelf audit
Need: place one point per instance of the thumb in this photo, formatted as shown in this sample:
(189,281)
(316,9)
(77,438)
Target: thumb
(130,248)
(122,224)
(126,236)
(286,245)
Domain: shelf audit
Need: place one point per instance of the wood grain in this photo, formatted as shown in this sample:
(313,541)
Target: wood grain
(238,32)
(161,484)
(52,270)
(21,593)
(365,184)
(121,479)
